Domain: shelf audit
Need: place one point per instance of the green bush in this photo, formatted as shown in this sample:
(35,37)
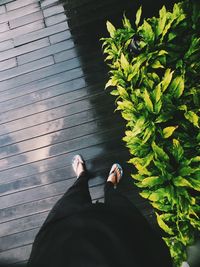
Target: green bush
(155,69)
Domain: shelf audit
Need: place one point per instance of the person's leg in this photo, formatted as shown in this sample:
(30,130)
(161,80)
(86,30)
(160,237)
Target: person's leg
(76,197)
(113,197)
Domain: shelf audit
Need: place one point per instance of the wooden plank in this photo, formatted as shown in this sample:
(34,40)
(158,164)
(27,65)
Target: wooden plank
(57,149)
(49,92)
(52,126)
(21,31)
(48,139)
(58,37)
(10,53)
(46,3)
(26,68)
(46,51)
(15,255)
(30,37)
(2,8)
(21,21)
(22,224)
(17,240)
(19,3)
(100,168)
(13,213)
(19,12)
(5,1)
(50,104)
(7,64)
(16,101)
(93,151)
(53,10)
(39,86)
(55,19)
(27,121)
(72,65)
(4,27)
(5,46)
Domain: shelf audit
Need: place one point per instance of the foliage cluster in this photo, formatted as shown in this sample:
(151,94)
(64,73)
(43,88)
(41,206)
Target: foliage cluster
(155,69)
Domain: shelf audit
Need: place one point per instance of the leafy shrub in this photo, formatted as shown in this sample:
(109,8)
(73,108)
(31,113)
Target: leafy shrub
(155,70)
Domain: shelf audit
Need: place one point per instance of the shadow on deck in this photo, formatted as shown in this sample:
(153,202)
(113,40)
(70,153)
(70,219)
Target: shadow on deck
(53,105)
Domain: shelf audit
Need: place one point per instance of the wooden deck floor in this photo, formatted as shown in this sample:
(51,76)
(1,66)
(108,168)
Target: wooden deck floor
(53,105)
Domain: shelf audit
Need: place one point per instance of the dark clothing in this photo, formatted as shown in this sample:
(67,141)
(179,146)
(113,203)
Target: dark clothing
(81,234)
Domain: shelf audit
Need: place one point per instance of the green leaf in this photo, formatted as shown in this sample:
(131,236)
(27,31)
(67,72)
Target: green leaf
(161,21)
(147,134)
(138,16)
(159,152)
(192,117)
(111,29)
(196,159)
(156,65)
(126,23)
(177,150)
(177,86)
(180,181)
(195,184)
(147,31)
(163,117)
(161,207)
(158,107)
(152,181)
(124,62)
(141,169)
(125,105)
(114,92)
(163,225)
(122,92)
(157,195)
(148,101)
(185,171)
(111,82)
(157,93)
(167,79)
(168,131)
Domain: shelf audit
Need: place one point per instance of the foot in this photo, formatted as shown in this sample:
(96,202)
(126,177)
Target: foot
(78,165)
(115,174)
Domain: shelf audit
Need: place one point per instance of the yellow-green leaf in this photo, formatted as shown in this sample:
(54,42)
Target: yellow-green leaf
(156,65)
(180,181)
(192,117)
(168,131)
(159,152)
(177,86)
(167,79)
(157,93)
(111,29)
(162,20)
(152,181)
(195,184)
(148,101)
(111,82)
(177,150)
(124,62)
(138,16)
(147,31)
(122,92)
(163,225)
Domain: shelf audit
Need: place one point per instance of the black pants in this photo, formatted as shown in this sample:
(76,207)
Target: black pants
(78,196)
